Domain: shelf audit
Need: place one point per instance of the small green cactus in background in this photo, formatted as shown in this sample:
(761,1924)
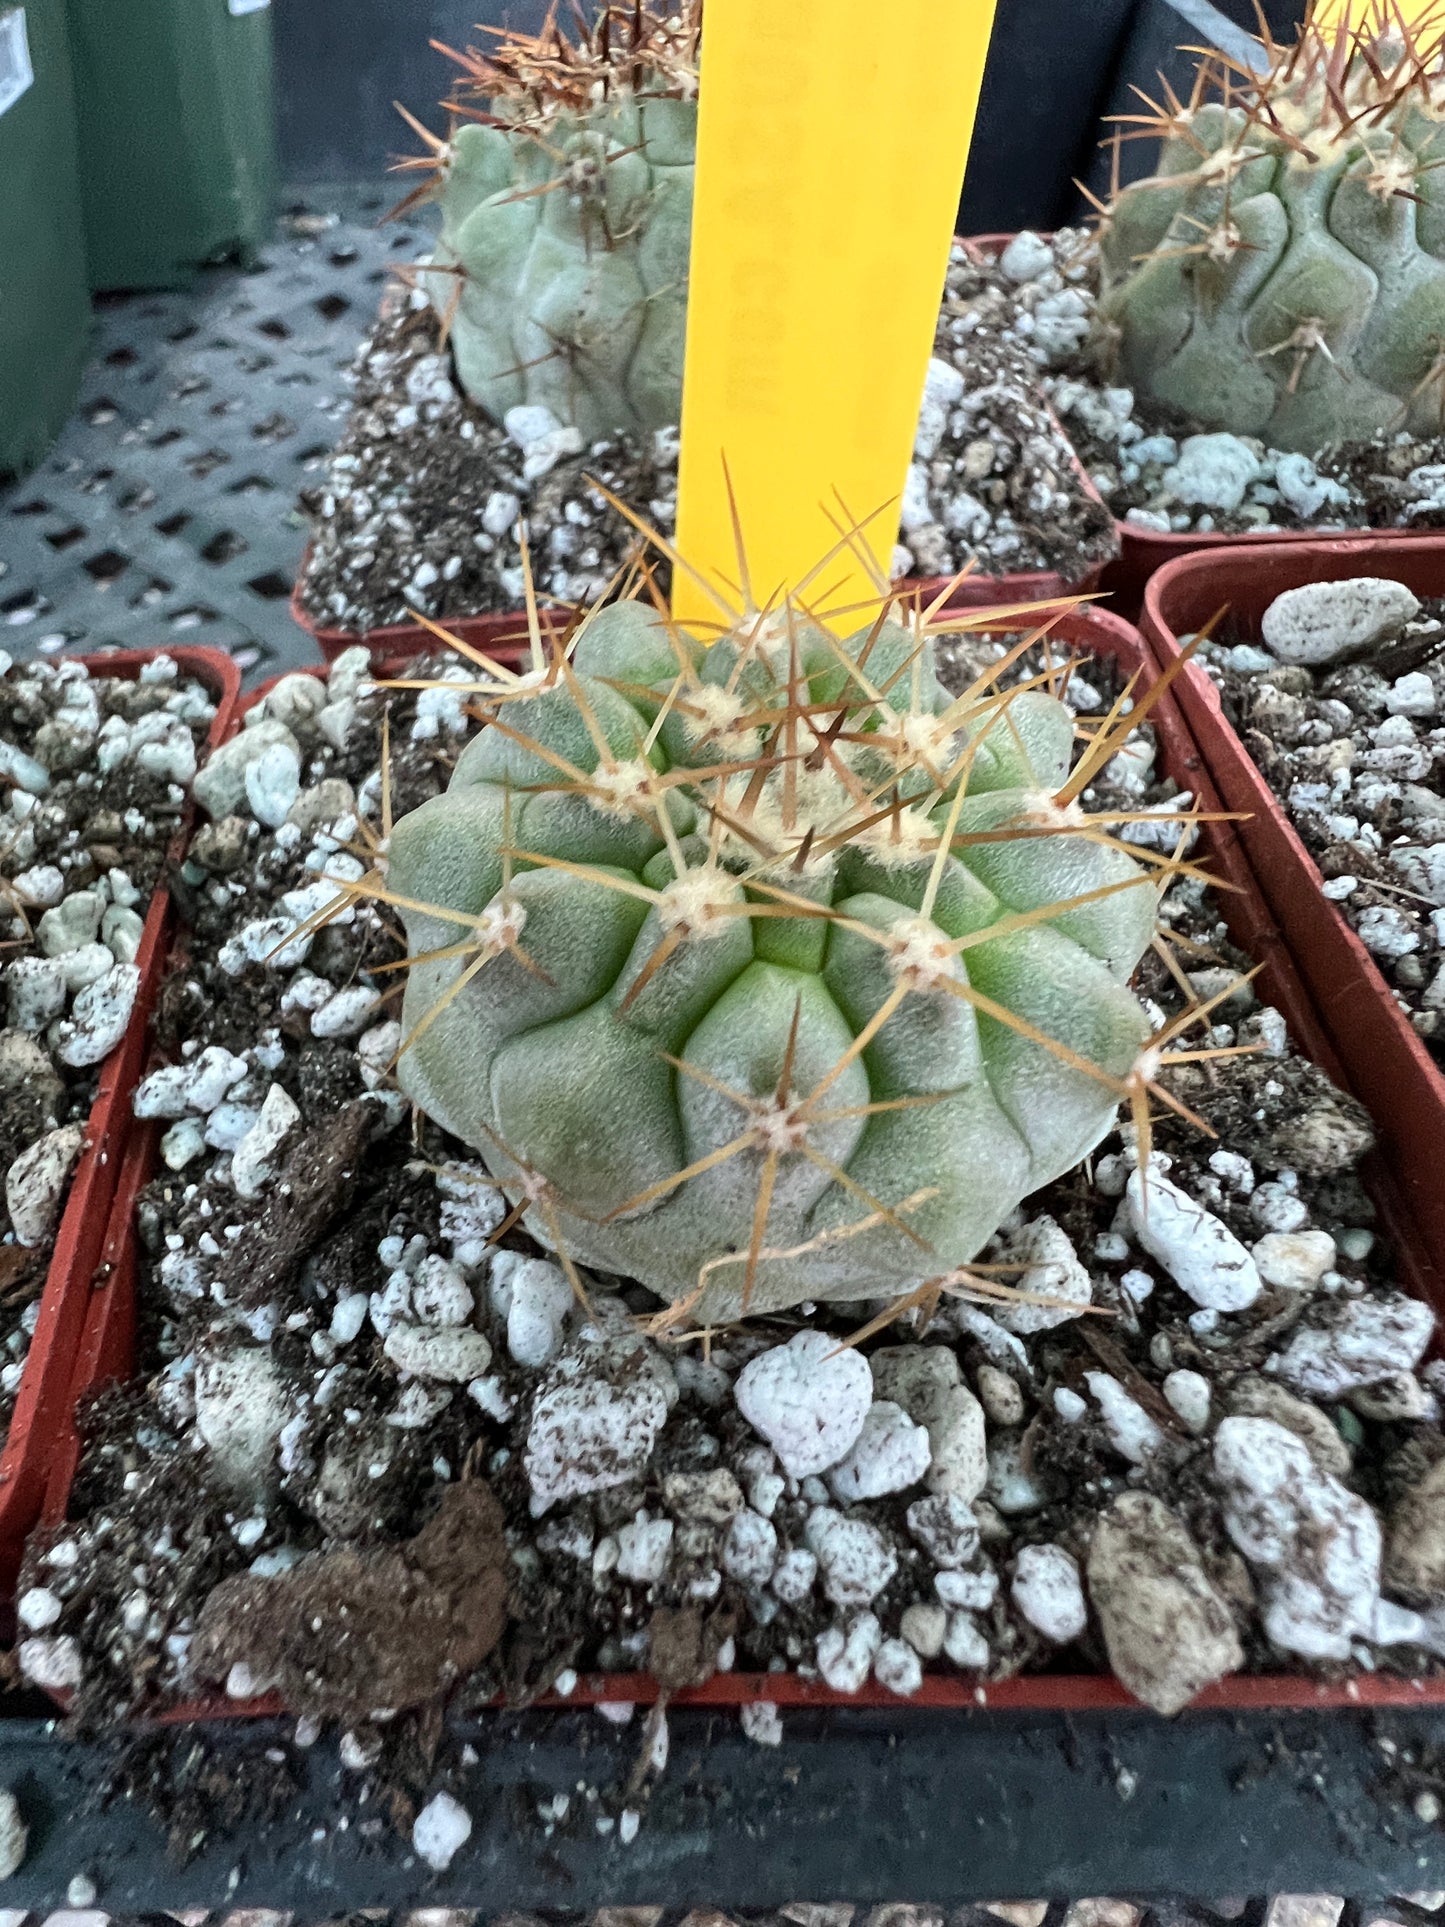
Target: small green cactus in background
(767,971)
(561,269)
(1282,272)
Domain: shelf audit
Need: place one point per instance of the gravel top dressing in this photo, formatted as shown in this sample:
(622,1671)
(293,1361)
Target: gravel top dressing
(421,502)
(1341,703)
(1157,472)
(94,776)
(369,1457)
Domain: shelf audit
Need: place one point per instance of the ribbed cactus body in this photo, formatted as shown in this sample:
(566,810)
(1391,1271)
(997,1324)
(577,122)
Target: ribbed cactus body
(563,254)
(1282,273)
(641,1027)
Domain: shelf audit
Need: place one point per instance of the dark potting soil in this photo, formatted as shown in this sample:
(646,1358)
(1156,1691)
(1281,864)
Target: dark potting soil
(1355,752)
(94,773)
(421,502)
(254,1505)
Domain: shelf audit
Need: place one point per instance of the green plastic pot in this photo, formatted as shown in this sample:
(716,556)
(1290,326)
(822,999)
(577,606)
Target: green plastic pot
(44,304)
(175,108)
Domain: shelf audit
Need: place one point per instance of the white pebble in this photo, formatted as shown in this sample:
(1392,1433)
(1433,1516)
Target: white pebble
(451,1354)
(890,1454)
(36,1182)
(897,1668)
(1189,1395)
(808,1399)
(845,1658)
(37,1608)
(252,1160)
(1131,1431)
(1356,1344)
(750,1550)
(440,1831)
(1047,1590)
(854,1558)
(1198,1250)
(536,1299)
(644,1547)
(273,782)
(98,1017)
(347,1013)
(761,1722)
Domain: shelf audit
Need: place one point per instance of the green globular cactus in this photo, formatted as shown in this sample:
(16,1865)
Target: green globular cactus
(766,972)
(1282,272)
(561,268)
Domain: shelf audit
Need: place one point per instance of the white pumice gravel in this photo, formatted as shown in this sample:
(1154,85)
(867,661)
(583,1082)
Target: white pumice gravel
(1047,1590)
(1199,1252)
(440,1831)
(809,1399)
(88,810)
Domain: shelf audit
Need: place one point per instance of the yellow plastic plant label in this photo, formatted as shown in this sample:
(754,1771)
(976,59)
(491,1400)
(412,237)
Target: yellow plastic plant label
(1329,14)
(831,147)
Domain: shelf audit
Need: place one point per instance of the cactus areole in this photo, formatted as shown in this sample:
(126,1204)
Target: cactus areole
(566,199)
(767,972)
(1282,272)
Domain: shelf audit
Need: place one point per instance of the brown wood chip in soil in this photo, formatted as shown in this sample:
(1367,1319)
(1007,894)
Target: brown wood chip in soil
(316,1184)
(348,1633)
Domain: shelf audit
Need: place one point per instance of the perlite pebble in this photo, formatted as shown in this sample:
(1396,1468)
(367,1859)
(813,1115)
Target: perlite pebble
(854,1559)
(536,1299)
(596,1419)
(761,1722)
(35,991)
(794,1576)
(452,1354)
(808,1399)
(14,1837)
(1355,1343)
(1132,1432)
(220,787)
(750,1550)
(1314,1545)
(51,1662)
(964,1642)
(251,1163)
(41,887)
(1198,1250)
(1047,1591)
(644,1547)
(98,1018)
(890,1454)
(346,1014)
(1050,1270)
(1213,471)
(1189,1396)
(845,1657)
(37,1608)
(440,1831)
(897,1669)
(36,1182)
(440,1295)
(272,783)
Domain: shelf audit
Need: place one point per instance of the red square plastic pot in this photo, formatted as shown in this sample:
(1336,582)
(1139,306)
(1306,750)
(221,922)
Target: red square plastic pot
(1384,1061)
(108,1346)
(44,1407)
